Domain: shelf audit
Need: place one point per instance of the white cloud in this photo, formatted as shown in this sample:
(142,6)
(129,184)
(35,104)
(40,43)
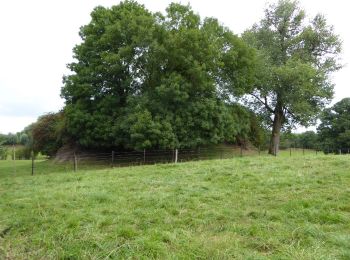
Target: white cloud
(13,124)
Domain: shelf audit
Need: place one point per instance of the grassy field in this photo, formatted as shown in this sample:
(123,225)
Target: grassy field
(243,208)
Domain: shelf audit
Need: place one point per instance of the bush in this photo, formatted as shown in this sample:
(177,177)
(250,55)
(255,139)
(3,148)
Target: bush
(23,153)
(3,152)
(47,133)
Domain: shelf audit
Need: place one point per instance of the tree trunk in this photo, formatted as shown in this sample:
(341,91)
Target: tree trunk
(276,130)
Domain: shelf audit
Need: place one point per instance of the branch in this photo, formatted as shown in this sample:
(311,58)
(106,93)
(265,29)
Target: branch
(264,103)
(289,112)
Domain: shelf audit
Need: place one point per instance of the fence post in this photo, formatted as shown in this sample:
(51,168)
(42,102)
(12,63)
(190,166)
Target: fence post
(32,162)
(259,150)
(339,151)
(112,159)
(75,163)
(176,155)
(144,156)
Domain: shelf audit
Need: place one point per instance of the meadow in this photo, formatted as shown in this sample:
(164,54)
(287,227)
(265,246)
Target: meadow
(257,207)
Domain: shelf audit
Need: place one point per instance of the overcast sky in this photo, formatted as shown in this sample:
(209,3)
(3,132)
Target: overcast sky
(37,38)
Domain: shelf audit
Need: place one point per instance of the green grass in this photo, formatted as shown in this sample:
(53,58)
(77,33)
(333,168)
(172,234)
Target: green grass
(243,208)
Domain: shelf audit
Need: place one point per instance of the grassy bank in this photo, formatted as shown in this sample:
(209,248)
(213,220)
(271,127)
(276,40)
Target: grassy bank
(250,207)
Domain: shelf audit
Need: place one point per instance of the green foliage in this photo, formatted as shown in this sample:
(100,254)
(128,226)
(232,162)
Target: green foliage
(295,60)
(24,139)
(23,152)
(220,209)
(334,130)
(3,152)
(307,140)
(46,134)
(145,80)
(9,139)
(2,138)
(258,134)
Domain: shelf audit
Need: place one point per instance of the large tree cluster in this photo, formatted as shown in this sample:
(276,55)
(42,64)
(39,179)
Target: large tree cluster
(150,80)
(144,79)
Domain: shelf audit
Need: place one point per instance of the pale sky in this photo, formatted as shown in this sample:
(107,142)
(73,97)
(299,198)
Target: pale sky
(38,37)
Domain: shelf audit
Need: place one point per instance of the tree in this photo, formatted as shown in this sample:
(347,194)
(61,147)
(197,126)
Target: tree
(3,151)
(144,80)
(45,134)
(334,130)
(11,139)
(295,60)
(24,139)
(308,140)
(3,138)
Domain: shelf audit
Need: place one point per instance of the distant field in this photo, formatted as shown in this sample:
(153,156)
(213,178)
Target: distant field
(256,207)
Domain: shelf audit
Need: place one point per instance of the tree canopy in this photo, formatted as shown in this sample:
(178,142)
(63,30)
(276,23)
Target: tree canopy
(295,60)
(47,134)
(305,140)
(334,130)
(144,79)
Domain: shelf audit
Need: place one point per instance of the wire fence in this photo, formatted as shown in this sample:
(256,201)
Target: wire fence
(89,160)
(76,161)
(146,157)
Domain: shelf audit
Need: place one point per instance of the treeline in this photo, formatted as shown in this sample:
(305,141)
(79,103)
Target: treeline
(22,141)
(333,132)
(13,139)
(143,80)
(332,135)
(49,134)
(45,136)
(306,140)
